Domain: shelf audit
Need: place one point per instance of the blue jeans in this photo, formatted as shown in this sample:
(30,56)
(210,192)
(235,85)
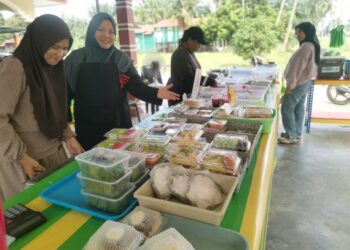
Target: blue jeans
(293,110)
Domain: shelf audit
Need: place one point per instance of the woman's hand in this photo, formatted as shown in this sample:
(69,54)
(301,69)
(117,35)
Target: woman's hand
(165,93)
(30,166)
(74,147)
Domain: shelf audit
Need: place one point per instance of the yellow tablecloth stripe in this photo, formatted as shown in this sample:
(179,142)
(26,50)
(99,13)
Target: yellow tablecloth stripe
(59,232)
(38,204)
(331,121)
(254,220)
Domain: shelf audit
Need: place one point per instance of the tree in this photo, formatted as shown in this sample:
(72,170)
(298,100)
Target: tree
(15,21)
(290,25)
(78,28)
(255,36)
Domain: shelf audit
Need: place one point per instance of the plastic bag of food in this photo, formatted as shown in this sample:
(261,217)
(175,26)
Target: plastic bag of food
(204,192)
(146,221)
(115,236)
(161,177)
(179,186)
(219,125)
(225,110)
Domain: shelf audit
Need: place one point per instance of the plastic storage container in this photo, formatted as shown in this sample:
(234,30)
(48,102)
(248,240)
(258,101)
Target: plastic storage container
(137,165)
(141,180)
(122,134)
(218,125)
(152,159)
(184,155)
(117,205)
(115,236)
(103,164)
(155,143)
(231,142)
(189,134)
(222,161)
(107,189)
(144,220)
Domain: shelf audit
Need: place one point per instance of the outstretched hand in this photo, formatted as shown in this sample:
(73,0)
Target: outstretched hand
(165,93)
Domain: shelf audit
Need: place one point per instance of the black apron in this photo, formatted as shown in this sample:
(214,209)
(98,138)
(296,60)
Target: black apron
(99,104)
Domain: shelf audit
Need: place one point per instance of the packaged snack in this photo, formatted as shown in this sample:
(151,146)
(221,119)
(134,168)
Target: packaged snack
(152,159)
(154,143)
(103,164)
(231,142)
(256,112)
(159,128)
(219,125)
(193,103)
(169,239)
(183,155)
(121,134)
(181,108)
(225,110)
(108,143)
(189,134)
(222,161)
(176,120)
(144,220)
(115,236)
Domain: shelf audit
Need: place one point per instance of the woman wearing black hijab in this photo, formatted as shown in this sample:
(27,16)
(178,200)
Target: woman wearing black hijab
(184,63)
(99,77)
(33,110)
(300,71)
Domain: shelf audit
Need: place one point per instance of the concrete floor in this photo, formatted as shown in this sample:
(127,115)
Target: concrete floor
(310,200)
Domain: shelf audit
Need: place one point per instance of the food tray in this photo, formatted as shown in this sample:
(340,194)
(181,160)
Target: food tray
(66,193)
(147,198)
(204,236)
(266,122)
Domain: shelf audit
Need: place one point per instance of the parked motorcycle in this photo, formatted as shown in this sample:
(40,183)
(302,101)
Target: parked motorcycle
(339,95)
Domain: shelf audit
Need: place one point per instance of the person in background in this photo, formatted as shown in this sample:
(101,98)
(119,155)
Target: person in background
(299,73)
(33,110)
(184,63)
(99,76)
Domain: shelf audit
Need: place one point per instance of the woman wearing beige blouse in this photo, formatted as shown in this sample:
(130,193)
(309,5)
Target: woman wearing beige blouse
(33,110)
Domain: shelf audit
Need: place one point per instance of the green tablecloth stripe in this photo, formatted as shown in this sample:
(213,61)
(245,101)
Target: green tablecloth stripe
(82,235)
(235,212)
(34,191)
(53,214)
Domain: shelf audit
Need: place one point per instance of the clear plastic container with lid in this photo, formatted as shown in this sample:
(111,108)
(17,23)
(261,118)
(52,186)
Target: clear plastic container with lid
(107,189)
(189,134)
(137,165)
(169,239)
(117,205)
(184,155)
(141,180)
(154,143)
(222,161)
(122,134)
(115,236)
(103,164)
(144,220)
(231,142)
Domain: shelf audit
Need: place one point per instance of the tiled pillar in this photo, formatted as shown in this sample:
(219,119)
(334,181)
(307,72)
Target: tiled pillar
(125,19)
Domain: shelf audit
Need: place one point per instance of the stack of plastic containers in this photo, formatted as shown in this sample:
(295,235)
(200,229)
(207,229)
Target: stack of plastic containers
(105,179)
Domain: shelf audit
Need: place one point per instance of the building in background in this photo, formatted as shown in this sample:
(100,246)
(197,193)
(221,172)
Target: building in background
(162,36)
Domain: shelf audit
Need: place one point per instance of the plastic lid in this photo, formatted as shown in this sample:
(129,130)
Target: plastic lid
(169,239)
(115,236)
(144,220)
(130,190)
(83,177)
(103,157)
(122,134)
(156,139)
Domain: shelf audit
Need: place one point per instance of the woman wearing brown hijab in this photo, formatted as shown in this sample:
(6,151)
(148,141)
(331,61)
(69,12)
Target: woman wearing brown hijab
(33,110)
